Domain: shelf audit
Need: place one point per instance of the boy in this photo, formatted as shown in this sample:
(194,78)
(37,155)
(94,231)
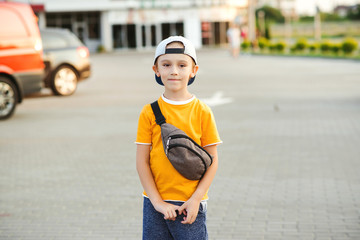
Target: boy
(175,207)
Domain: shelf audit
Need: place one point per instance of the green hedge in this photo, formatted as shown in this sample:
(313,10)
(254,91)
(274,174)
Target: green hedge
(280,46)
(246,45)
(348,46)
(301,44)
(263,43)
(313,47)
(335,48)
(325,46)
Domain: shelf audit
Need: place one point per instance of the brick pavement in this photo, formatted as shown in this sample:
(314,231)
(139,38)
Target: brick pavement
(288,166)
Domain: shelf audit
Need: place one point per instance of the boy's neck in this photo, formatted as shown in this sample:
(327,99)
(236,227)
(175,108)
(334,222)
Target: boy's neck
(177,96)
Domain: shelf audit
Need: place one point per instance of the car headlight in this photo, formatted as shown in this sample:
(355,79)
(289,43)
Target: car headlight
(83,52)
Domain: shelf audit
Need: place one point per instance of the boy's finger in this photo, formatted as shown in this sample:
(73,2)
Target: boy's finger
(170,216)
(183,212)
(180,210)
(173,215)
(190,219)
(186,220)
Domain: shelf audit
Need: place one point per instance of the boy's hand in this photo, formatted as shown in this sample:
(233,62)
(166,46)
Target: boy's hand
(190,209)
(168,209)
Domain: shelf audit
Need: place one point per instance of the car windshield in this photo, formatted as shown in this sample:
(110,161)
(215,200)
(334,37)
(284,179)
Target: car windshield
(60,39)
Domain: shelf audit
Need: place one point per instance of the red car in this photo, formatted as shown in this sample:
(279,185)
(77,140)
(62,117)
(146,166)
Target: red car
(21,62)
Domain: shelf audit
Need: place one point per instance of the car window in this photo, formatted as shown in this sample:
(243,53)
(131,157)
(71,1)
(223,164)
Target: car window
(53,40)
(59,39)
(73,39)
(15,28)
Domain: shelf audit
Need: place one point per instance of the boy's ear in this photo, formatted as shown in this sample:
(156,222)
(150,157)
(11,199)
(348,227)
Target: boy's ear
(195,69)
(155,70)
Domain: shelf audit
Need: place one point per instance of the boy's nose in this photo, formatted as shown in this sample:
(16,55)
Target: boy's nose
(174,70)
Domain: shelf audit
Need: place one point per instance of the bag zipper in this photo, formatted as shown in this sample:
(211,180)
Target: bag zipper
(185,136)
(167,145)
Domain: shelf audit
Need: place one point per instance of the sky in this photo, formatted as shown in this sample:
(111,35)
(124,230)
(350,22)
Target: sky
(308,7)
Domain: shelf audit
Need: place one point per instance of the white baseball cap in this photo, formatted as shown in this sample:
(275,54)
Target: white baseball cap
(188,49)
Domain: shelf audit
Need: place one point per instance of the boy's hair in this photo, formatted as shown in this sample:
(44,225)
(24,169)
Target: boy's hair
(188,49)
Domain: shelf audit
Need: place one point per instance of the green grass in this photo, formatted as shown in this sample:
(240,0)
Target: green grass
(355,56)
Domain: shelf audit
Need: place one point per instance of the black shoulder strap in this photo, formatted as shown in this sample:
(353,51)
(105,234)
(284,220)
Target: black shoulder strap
(160,119)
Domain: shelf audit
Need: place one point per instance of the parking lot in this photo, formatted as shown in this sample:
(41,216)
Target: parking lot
(289,164)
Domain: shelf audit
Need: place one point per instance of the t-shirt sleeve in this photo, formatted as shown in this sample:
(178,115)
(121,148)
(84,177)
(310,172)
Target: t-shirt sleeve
(144,127)
(210,135)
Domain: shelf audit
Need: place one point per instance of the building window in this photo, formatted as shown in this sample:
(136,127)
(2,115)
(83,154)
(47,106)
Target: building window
(153,35)
(66,21)
(179,27)
(206,33)
(172,29)
(124,36)
(131,33)
(51,20)
(165,30)
(93,19)
(143,35)
(119,36)
(214,33)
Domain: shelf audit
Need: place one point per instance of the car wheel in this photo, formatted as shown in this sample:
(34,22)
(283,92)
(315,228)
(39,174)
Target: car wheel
(8,98)
(64,81)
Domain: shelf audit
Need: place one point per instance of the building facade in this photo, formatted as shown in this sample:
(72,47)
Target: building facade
(141,24)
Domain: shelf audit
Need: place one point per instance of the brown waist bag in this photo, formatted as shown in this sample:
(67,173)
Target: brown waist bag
(187,157)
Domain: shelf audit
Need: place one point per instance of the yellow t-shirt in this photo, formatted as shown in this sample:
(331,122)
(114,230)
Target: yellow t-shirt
(193,117)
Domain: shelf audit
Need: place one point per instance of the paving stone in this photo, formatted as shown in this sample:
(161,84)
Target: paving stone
(288,166)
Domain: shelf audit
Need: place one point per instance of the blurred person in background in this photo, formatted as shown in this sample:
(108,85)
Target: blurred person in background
(234,39)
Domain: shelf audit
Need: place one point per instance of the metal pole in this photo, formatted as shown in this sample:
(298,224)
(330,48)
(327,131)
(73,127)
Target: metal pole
(251,20)
(317,23)
(288,26)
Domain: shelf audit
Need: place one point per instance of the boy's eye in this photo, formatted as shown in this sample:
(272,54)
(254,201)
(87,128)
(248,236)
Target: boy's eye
(182,65)
(166,65)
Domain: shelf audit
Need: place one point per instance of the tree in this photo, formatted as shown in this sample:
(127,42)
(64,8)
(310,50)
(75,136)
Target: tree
(271,14)
(330,17)
(354,13)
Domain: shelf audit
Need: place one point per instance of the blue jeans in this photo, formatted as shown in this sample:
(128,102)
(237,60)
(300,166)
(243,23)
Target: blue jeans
(155,227)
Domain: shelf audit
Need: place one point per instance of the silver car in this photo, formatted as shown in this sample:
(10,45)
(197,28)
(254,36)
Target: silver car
(66,58)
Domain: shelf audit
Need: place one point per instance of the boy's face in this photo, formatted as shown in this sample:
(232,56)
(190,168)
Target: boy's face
(175,70)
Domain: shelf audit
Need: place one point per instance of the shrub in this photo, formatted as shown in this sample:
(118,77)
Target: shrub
(325,46)
(349,45)
(100,49)
(280,46)
(245,45)
(313,47)
(335,48)
(272,47)
(293,49)
(263,43)
(301,44)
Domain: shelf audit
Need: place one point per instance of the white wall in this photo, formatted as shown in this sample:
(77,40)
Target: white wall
(141,12)
(192,28)
(106,31)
